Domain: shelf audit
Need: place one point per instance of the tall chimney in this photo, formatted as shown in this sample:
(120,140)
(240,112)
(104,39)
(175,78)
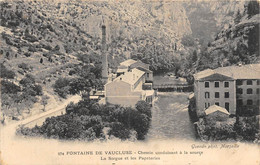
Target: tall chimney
(104,55)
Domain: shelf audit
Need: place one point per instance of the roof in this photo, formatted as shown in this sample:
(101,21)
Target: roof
(215,108)
(149,92)
(128,62)
(131,77)
(144,69)
(119,70)
(204,73)
(94,97)
(250,71)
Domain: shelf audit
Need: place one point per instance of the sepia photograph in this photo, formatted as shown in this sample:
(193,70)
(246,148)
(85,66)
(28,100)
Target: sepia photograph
(138,82)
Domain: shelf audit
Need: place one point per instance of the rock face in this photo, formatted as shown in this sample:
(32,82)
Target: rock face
(230,29)
(239,42)
(131,18)
(208,18)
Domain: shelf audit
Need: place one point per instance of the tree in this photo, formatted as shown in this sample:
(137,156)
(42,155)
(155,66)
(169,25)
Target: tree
(252,8)
(144,108)
(44,101)
(9,87)
(28,80)
(28,102)
(5,73)
(237,17)
(61,87)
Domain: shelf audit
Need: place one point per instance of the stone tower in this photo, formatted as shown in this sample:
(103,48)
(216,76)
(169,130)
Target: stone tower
(104,55)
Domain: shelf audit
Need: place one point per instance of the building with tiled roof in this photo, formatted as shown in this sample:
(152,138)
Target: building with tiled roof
(130,64)
(127,89)
(235,88)
(216,113)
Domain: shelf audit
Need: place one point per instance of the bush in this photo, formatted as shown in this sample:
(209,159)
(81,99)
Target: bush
(9,87)
(24,66)
(119,130)
(61,87)
(28,80)
(27,54)
(87,119)
(5,73)
(144,108)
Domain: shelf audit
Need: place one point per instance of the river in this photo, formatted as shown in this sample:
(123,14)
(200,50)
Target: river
(170,117)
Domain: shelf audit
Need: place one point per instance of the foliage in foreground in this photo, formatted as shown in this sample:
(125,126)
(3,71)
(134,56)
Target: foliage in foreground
(88,120)
(240,129)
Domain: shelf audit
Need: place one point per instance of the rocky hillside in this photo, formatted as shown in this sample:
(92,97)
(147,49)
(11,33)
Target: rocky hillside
(208,18)
(43,41)
(239,43)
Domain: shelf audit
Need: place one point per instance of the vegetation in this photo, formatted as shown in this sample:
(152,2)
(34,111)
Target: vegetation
(18,97)
(6,73)
(85,78)
(239,129)
(88,121)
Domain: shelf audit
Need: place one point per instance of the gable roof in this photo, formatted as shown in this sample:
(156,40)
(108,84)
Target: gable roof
(216,77)
(251,71)
(203,74)
(215,108)
(130,77)
(119,70)
(128,62)
(144,69)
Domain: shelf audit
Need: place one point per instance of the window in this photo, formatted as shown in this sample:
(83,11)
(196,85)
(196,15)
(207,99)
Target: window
(257,91)
(206,84)
(239,91)
(217,103)
(216,94)
(239,82)
(207,105)
(258,82)
(249,91)
(249,82)
(216,84)
(147,74)
(240,102)
(258,102)
(227,106)
(226,84)
(249,102)
(226,94)
(207,95)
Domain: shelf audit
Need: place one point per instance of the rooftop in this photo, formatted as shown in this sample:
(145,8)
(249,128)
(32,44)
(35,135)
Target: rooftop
(250,71)
(131,77)
(215,108)
(128,62)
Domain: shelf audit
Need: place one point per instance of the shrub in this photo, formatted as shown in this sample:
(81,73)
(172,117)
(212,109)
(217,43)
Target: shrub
(61,87)
(28,80)
(86,120)
(9,87)
(23,66)
(144,108)
(5,73)
(119,130)
(27,54)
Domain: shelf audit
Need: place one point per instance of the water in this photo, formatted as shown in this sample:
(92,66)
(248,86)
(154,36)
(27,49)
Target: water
(170,118)
(162,79)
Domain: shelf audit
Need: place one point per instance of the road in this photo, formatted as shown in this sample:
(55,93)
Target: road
(40,118)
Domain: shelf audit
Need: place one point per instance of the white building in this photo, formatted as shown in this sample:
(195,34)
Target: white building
(127,89)
(235,88)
